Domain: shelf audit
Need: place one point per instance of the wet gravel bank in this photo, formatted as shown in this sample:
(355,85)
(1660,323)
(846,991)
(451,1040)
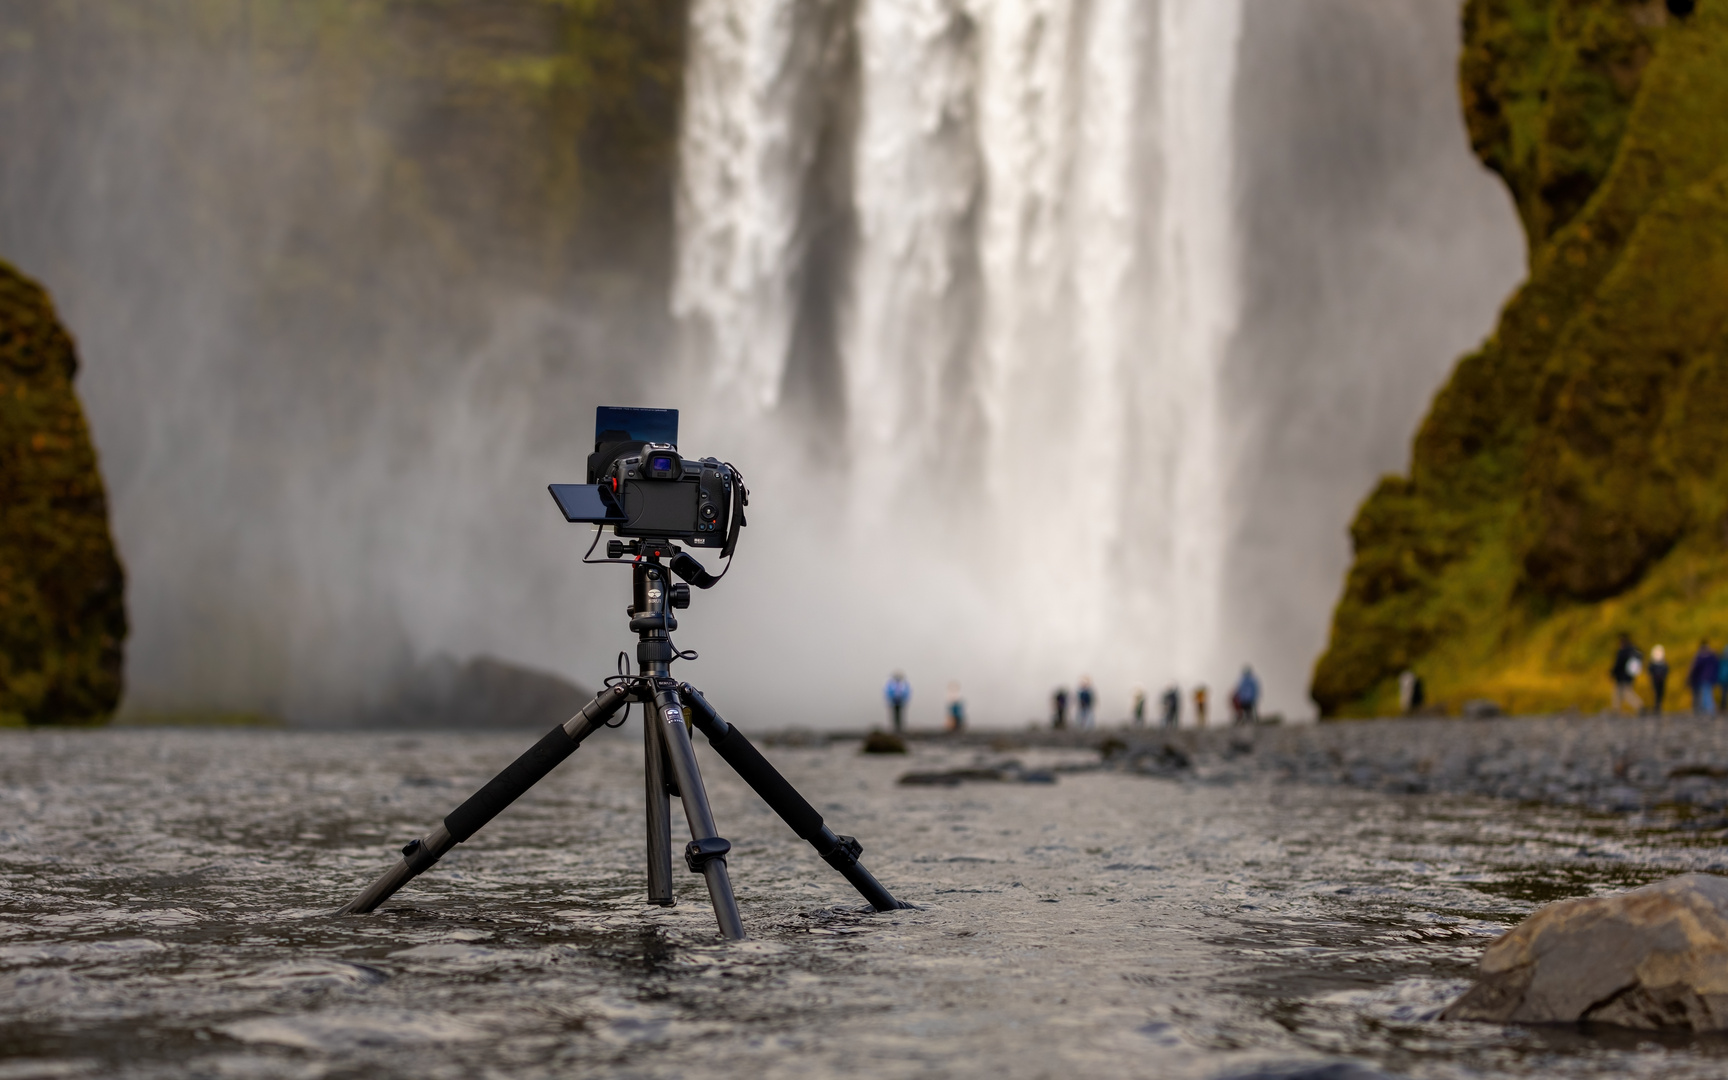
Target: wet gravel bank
(1674,765)
(1678,764)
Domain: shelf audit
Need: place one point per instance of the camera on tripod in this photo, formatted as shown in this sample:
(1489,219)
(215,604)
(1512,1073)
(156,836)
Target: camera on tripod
(640,485)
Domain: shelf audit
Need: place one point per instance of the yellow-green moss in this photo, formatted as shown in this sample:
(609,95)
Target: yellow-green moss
(1580,452)
(62,614)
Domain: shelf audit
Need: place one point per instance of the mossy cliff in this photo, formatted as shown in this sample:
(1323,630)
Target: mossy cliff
(1571,479)
(62,611)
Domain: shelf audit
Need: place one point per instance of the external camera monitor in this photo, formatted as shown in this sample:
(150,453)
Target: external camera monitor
(613,424)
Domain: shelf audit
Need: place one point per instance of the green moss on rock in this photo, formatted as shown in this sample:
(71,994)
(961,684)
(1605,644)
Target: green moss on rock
(1578,449)
(62,613)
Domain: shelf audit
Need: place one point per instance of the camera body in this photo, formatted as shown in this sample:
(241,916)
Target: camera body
(640,485)
(669,497)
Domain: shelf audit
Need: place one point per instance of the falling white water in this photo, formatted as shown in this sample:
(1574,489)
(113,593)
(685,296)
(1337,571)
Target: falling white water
(1041,289)
(954,281)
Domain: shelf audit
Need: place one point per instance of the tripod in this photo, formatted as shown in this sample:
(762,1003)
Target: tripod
(669,762)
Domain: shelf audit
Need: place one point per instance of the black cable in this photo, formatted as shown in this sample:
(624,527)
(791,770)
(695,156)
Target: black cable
(623,678)
(599,529)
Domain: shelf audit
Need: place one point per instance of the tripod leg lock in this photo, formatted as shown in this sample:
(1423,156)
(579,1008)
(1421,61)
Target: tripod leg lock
(699,853)
(845,846)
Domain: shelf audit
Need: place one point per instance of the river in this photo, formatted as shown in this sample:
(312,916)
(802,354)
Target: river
(167,899)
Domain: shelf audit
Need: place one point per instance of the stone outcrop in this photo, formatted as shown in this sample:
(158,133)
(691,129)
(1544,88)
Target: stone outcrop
(482,693)
(1569,481)
(62,607)
(1653,958)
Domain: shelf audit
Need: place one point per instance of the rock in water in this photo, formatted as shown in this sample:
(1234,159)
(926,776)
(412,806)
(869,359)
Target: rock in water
(1652,958)
(62,604)
(881,742)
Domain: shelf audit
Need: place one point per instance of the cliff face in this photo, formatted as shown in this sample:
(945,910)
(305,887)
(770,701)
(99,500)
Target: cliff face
(62,613)
(1571,480)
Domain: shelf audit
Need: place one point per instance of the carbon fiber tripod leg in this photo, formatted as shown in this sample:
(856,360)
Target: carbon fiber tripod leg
(706,852)
(840,852)
(657,776)
(489,801)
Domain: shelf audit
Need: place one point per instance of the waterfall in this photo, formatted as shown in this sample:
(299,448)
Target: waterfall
(1055,337)
(1038,293)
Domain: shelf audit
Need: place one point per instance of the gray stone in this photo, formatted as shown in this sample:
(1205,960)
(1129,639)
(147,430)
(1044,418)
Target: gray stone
(1653,958)
(483,692)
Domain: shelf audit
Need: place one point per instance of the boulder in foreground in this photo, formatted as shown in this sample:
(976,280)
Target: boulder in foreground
(1653,958)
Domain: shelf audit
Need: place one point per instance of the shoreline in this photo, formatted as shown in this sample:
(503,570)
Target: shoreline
(1676,763)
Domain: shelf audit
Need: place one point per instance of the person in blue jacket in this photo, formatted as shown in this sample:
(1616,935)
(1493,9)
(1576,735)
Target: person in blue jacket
(898,692)
(1247,696)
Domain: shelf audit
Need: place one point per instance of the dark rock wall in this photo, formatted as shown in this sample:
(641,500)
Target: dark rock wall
(1568,482)
(62,607)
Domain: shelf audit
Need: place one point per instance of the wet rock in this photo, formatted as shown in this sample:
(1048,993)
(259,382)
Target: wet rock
(1336,1070)
(953,777)
(1008,772)
(1165,760)
(881,742)
(1652,958)
(62,609)
(1481,709)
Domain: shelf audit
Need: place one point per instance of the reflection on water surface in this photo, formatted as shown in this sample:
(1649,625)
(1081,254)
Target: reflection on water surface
(167,900)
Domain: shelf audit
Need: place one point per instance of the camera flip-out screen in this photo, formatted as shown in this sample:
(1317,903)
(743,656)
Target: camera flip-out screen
(583,502)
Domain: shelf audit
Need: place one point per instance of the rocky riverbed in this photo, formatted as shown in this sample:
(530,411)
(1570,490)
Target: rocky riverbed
(1669,769)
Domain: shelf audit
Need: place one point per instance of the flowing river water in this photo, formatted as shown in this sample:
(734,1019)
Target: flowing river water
(167,899)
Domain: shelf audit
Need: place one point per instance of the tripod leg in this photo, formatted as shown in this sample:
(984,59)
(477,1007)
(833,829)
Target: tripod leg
(485,804)
(656,769)
(706,852)
(840,852)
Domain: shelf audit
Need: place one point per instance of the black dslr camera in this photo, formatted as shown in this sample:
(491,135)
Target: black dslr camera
(640,485)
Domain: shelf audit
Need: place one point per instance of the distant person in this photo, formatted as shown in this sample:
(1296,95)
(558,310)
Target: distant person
(956,709)
(1627,664)
(1084,701)
(1721,679)
(1139,706)
(898,692)
(1200,705)
(1406,691)
(1658,677)
(1701,679)
(1246,698)
(1172,706)
(1418,694)
(1059,708)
